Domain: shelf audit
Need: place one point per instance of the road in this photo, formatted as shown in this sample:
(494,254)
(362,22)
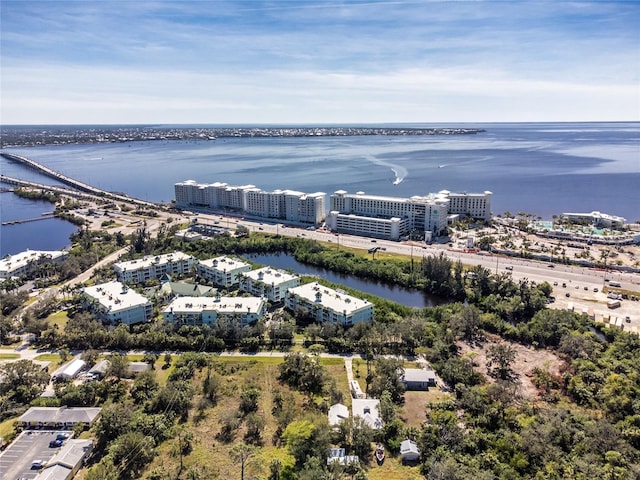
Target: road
(522,268)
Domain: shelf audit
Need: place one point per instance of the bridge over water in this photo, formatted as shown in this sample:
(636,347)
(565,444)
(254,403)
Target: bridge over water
(72,182)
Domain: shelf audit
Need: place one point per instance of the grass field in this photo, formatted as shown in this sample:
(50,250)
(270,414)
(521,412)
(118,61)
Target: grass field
(59,318)
(9,356)
(6,428)
(48,357)
(211,455)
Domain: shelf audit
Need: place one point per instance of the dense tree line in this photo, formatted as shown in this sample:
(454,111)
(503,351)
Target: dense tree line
(585,425)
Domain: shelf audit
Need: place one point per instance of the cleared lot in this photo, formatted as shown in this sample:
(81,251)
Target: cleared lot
(16,460)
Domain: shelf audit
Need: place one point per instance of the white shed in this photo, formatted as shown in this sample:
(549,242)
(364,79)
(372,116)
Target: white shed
(409,451)
(337,413)
(70,370)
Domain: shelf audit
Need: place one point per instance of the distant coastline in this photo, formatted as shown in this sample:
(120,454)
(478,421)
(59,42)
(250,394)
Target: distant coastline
(29,136)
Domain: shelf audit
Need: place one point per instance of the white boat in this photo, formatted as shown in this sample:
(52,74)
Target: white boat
(379,454)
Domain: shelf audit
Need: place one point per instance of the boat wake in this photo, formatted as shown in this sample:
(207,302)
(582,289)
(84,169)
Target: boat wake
(399,171)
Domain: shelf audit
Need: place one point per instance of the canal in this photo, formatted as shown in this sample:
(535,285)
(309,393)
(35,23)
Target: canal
(404,296)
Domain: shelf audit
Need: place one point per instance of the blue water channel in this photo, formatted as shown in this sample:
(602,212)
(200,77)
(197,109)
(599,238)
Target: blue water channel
(404,296)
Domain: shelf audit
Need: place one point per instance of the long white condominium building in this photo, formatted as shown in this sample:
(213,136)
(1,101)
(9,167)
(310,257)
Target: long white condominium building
(114,303)
(152,267)
(222,271)
(23,262)
(393,217)
(208,310)
(290,205)
(268,282)
(327,305)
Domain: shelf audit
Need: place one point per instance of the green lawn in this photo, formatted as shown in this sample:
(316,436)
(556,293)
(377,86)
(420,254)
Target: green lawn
(6,428)
(59,318)
(9,356)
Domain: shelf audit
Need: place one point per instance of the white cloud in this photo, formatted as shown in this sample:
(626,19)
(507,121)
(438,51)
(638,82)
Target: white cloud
(126,96)
(335,61)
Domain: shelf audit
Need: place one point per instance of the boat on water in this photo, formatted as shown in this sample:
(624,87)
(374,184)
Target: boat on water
(379,454)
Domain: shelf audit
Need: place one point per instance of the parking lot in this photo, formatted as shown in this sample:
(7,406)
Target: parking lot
(31,445)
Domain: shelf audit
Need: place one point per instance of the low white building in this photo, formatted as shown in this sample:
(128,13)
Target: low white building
(114,303)
(328,305)
(597,219)
(207,310)
(223,271)
(368,410)
(154,267)
(69,370)
(22,263)
(409,451)
(268,282)
(337,413)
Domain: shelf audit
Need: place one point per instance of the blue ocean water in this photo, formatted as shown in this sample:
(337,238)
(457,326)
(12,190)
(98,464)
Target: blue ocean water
(539,168)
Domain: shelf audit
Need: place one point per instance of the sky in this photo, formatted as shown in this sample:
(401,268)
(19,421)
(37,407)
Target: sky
(318,62)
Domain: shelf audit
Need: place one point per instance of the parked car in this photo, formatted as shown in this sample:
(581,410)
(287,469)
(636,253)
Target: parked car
(37,464)
(595,289)
(63,436)
(56,443)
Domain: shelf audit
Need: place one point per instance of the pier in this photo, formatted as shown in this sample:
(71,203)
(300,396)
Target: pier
(44,216)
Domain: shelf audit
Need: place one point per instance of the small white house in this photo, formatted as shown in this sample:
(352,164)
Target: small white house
(409,451)
(368,410)
(337,413)
(69,371)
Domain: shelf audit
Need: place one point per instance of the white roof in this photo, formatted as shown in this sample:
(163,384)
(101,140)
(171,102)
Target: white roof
(226,305)
(13,262)
(115,296)
(337,413)
(596,214)
(149,260)
(270,276)
(367,409)
(224,263)
(73,367)
(336,300)
(407,446)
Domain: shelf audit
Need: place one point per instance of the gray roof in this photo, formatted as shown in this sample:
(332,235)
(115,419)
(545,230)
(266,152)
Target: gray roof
(60,415)
(55,472)
(138,367)
(418,375)
(183,289)
(70,455)
(101,367)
